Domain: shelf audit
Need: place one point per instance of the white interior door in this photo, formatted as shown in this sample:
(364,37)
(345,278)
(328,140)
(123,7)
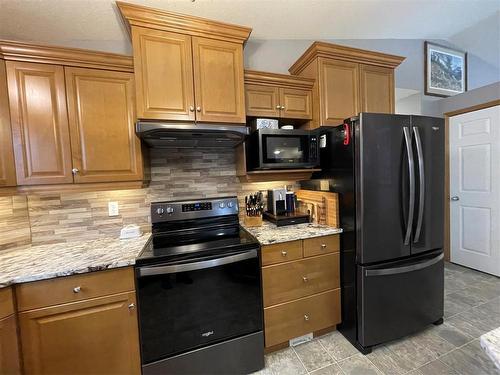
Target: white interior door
(475,189)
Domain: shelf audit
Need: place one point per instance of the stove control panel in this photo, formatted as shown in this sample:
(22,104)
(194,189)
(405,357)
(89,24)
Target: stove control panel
(193,209)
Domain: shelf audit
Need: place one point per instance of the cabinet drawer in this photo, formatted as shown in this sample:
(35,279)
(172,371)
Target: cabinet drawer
(292,319)
(74,288)
(6,302)
(321,245)
(285,282)
(281,252)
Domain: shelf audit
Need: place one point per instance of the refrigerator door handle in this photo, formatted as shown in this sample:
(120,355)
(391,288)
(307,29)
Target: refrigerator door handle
(404,269)
(411,174)
(421,172)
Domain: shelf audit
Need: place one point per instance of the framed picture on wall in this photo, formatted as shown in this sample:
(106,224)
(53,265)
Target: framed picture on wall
(445,70)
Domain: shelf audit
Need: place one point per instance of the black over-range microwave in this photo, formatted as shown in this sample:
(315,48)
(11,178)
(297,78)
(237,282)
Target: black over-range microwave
(282,149)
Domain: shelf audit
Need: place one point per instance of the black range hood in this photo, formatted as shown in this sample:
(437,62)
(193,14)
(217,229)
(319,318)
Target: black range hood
(190,135)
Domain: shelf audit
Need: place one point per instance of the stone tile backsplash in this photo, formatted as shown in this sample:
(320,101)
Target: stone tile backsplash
(175,174)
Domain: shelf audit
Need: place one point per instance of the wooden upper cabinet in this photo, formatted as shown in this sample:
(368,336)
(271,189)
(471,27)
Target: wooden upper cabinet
(39,123)
(218,77)
(348,81)
(164,74)
(262,100)
(296,104)
(338,83)
(94,336)
(104,145)
(278,95)
(7,167)
(376,89)
(175,52)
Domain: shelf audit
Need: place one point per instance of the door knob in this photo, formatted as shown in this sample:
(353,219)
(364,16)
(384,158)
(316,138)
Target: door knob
(278,107)
(282,107)
(131,306)
(198,109)
(305,279)
(455,198)
(191,108)
(77,289)
(283,253)
(74,171)
(306,317)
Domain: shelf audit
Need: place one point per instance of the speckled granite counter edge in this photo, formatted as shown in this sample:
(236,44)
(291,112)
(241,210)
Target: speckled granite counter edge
(490,342)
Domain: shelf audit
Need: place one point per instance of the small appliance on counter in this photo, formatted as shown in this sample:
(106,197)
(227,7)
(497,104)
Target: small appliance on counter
(199,291)
(254,205)
(281,208)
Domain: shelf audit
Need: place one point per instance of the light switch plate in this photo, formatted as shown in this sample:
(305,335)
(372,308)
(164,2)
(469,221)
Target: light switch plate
(113,208)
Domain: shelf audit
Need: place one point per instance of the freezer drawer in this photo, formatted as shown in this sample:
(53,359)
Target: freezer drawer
(398,298)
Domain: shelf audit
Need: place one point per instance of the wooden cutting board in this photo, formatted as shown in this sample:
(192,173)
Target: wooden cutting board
(326,206)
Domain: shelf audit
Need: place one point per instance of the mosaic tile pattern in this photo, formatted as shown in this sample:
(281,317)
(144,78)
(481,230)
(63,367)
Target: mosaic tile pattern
(69,216)
(451,348)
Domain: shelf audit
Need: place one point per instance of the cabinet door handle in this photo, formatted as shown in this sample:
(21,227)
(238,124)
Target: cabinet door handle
(306,317)
(278,107)
(282,107)
(75,171)
(323,245)
(198,109)
(77,289)
(131,306)
(305,279)
(191,108)
(283,253)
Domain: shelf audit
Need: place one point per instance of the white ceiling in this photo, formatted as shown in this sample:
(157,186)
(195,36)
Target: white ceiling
(97,24)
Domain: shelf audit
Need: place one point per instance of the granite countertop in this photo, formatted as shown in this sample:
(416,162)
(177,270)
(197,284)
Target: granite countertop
(490,342)
(269,233)
(31,263)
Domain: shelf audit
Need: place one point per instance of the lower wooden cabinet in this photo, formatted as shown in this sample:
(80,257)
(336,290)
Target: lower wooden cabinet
(9,344)
(301,316)
(95,336)
(301,288)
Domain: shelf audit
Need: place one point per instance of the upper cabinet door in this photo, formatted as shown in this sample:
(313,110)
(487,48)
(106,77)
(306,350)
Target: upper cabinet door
(377,89)
(163,67)
(7,168)
(262,100)
(218,77)
(296,104)
(39,123)
(339,90)
(101,119)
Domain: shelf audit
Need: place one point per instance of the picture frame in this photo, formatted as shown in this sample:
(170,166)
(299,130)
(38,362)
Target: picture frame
(445,70)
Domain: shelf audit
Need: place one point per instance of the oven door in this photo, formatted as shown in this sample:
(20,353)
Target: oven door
(185,305)
(285,150)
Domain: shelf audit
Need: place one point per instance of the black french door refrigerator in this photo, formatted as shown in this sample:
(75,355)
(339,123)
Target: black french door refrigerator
(388,171)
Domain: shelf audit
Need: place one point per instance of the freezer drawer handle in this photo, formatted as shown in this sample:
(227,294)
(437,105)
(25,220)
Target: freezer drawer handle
(411,174)
(421,173)
(160,270)
(406,269)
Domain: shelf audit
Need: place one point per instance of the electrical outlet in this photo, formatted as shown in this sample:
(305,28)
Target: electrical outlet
(113,208)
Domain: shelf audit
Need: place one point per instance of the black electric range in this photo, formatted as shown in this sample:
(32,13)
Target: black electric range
(199,291)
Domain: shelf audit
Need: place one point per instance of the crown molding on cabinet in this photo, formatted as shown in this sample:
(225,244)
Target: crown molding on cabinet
(338,52)
(28,52)
(274,79)
(137,15)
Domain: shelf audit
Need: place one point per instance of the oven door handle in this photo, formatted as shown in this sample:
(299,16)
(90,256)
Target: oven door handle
(161,270)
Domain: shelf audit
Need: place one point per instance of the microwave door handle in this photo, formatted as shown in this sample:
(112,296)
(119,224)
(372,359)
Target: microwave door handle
(163,270)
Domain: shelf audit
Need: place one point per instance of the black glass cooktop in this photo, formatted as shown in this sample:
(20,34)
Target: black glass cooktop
(194,243)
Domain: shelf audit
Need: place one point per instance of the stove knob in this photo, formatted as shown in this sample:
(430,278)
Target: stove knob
(170,210)
(222,205)
(230,204)
(160,211)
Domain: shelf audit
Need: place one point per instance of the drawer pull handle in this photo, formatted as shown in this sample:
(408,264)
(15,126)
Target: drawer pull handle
(77,289)
(131,306)
(283,253)
(323,245)
(305,279)
(306,317)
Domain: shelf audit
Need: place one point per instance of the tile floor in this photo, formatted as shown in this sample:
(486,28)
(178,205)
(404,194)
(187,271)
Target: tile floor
(472,307)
